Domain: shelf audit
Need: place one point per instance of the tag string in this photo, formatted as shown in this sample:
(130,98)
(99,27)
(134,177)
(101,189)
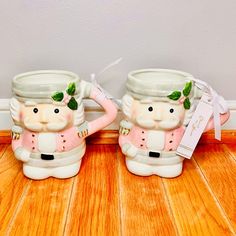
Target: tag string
(97,85)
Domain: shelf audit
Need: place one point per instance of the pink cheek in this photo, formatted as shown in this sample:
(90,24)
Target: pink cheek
(133,116)
(134,113)
(68,117)
(182,117)
(21,116)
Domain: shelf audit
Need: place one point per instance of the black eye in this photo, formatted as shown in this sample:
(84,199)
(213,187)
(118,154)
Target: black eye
(35,110)
(56,110)
(150,109)
(171,110)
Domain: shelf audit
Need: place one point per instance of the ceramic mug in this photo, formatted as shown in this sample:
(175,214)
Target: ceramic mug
(50,128)
(158,106)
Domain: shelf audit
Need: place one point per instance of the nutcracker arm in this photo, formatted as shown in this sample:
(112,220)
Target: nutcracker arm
(125,127)
(127,148)
(16,133)
(20,152)
(107,105)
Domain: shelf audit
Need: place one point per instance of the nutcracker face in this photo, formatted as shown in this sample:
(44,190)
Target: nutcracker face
(157,115)
(46,117)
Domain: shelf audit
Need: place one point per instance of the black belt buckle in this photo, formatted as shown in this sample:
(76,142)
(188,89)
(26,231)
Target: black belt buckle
(47,157)
(154,154)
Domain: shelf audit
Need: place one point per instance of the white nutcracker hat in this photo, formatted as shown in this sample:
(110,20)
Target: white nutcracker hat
(160,84)
(39,86)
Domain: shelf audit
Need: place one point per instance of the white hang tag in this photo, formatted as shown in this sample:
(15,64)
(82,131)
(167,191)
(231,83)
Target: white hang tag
(196,127)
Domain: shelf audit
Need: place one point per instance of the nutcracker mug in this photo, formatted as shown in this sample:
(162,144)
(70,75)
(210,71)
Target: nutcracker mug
(50,130)
(158,106)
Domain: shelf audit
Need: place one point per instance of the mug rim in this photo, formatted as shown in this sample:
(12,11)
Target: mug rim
(23,87)
(149,86)
(185,75)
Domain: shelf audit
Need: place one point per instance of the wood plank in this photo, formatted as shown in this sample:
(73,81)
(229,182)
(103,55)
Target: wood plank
(227,136)
(194,207)
(94,208)
(144,207)
(44,209)
(5,137)
(219,168)
(104,137)
(232,149)
(111,137)
(13,186)
(3,148)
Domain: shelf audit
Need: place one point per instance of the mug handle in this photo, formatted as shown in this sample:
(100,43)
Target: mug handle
(223,118)
(90,91)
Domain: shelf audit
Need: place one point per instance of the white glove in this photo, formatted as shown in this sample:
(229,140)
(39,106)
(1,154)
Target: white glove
(129,150)
(125,127)
(22,154)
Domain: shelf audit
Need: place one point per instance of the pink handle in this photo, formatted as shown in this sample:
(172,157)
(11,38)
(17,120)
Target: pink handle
(223,119)
(107,105)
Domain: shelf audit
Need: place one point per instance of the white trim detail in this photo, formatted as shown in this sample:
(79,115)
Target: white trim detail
(93,110)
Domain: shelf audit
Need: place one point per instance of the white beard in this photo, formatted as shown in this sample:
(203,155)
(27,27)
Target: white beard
(47,142)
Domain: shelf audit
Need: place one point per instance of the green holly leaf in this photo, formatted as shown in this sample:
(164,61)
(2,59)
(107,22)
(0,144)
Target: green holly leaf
(72,104)
(187,89)
(71,89)
(58,96)
(187,104)
(175,95)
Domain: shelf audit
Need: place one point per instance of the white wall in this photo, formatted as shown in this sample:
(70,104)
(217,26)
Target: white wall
(197,36)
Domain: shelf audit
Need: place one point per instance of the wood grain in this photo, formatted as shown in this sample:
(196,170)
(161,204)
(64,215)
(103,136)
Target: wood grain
(103,137)
(105,199)
(144,207)
(219,168)
(5,137)
(227,136)
(2,149)
(195,210)
(13,186)
(94,208)
(45,206)
(232,149)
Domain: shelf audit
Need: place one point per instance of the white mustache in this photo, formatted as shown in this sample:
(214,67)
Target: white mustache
(169,124)
(146,123)
(166,125)
(56,126)
(34,126)
(37,126)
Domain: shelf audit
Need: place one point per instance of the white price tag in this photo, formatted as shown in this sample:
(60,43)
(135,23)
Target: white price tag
(196,127)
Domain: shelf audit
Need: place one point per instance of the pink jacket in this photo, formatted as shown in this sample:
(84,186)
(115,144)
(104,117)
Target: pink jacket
(138,137)
(65,140)
(68,139)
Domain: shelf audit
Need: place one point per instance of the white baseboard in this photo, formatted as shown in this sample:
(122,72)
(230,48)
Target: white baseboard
(92,111)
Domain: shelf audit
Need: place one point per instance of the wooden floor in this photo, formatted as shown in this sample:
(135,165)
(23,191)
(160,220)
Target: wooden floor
(105,199)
